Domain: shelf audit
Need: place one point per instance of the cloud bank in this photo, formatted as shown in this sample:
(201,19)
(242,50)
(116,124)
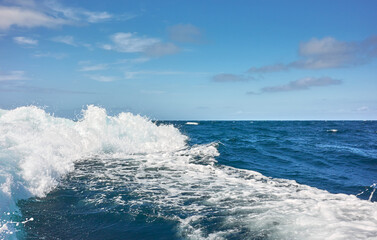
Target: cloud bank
(326,53)
(302,84)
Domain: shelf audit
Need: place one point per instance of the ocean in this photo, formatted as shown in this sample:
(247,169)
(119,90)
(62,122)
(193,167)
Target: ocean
(128,177)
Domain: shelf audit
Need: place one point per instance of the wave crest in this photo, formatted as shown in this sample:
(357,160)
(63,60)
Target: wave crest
(37,149)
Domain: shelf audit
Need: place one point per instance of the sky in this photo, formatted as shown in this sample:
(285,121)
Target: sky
(192,60)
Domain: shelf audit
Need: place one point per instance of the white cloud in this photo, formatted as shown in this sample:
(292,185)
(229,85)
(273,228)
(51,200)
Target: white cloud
(90,68)
(13,76)
(94,17)
(302,84)
(50,55)
(363,109)
(22,17)
(130,43)
(327,52)
(185,33)
(49,13)
(69,40)
(78,14)
(102,78)
(25,41)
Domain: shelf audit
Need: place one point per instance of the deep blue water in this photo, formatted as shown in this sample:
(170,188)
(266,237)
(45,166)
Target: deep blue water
(344,161)
(137,198)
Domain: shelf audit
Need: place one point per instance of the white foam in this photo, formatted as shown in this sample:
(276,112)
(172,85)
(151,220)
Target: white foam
(332,130)
(211,201)
(192,123)
(37,149)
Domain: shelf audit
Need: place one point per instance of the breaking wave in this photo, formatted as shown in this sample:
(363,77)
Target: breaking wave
(37,149)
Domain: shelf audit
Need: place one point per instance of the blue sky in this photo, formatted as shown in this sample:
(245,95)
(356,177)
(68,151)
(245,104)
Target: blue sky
(191,59)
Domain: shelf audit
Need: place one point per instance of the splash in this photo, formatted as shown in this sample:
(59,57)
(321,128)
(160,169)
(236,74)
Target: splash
(37,149)
(373,187)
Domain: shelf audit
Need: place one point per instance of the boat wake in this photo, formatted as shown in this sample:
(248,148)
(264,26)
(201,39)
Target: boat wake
(130,164)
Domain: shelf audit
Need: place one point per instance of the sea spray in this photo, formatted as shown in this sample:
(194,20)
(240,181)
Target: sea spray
(37,149)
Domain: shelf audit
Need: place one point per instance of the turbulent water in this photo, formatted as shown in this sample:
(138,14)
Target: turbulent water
(126,177)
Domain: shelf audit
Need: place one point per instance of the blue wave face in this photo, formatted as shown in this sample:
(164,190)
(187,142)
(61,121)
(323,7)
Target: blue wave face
(105,177)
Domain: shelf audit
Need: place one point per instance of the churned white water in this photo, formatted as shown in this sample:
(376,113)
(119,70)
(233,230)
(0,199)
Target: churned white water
(181,183)
(211,201)
(37,149)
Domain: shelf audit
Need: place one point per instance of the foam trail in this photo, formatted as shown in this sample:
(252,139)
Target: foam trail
(374,186)
(211,201)
(37,149)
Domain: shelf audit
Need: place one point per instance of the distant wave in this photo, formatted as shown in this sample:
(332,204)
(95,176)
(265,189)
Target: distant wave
(192,123)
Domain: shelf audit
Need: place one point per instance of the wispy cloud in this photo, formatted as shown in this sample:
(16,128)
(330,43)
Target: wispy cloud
(49,55)
(134,60)
(131,43)
(302,84)
(152,92)
(363,109)
(90,68)
(49,13)
(69,40)
(94,17)
(24,17)
(185,33)
(78,14)
(136,74)
(25,41)
(325,53)
(13,76)
(102,78)
(227,77)
(16,86)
